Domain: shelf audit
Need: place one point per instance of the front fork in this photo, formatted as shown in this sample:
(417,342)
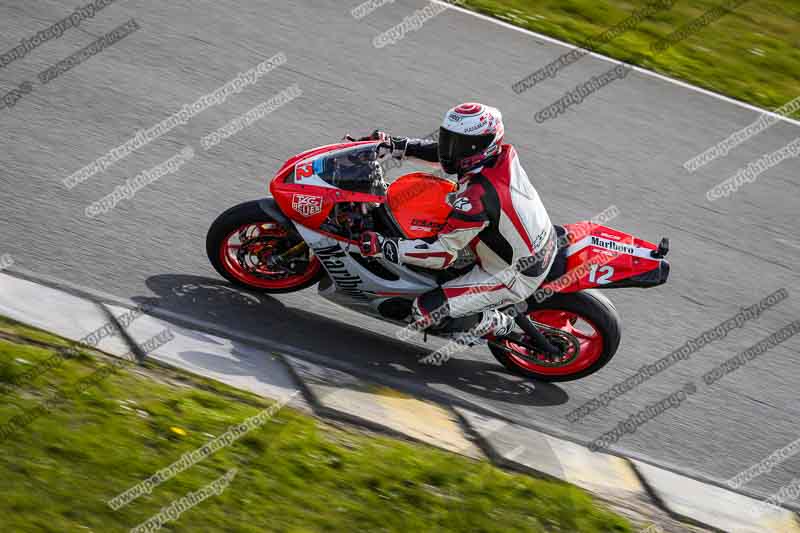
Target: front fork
(285,260)
(538,340)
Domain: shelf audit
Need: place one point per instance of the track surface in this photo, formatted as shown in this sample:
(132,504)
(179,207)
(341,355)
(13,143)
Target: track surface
(623,145)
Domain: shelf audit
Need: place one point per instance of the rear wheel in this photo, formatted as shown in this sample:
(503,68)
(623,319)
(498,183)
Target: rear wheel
(585,326)
(250,249)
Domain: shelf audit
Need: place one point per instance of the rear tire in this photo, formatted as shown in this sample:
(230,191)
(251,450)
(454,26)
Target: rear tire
(592,308)
(251,214)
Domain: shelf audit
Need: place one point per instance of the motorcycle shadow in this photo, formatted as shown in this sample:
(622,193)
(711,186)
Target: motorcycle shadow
(472,376)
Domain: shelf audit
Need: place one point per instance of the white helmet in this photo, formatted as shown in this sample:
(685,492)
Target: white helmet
(470,134)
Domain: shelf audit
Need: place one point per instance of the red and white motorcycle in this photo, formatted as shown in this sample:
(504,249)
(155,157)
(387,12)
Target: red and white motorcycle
(324,198)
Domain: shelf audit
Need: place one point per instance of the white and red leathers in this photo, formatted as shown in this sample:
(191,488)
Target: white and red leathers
(499,215)
(495,211)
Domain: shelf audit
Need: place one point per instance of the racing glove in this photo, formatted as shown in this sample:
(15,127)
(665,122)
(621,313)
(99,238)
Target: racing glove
(395,146)
(376,245)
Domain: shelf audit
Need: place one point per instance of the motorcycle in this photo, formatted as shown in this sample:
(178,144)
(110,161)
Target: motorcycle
(307,233)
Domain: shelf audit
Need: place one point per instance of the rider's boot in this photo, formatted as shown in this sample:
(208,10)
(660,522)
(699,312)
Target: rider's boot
(472,330)
(430,314)
(493,323)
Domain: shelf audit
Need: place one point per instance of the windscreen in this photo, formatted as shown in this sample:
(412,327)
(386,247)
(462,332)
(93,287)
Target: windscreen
(354,169)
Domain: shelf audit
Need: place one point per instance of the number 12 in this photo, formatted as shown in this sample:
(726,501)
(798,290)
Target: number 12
(605,274)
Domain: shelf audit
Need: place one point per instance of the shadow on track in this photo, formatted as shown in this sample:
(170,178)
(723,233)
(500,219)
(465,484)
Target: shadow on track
(466,377)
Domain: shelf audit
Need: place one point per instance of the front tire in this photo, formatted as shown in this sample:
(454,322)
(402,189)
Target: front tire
(241,241)
(589,316)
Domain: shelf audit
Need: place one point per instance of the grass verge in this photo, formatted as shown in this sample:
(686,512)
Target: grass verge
(295,473)
(751,54)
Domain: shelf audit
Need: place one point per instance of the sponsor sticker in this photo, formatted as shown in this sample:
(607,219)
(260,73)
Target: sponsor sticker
(475,128)
(390,251)
(613,246)
(307,204)
(462,204)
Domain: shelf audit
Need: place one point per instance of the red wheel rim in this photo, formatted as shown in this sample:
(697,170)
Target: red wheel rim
(588,335)
(260,239)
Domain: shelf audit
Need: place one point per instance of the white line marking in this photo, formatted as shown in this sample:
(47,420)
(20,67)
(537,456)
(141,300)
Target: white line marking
(611,60)
(516,452)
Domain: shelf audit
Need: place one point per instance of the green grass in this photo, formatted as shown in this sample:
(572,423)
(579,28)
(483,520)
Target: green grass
(295,474)
(751,54)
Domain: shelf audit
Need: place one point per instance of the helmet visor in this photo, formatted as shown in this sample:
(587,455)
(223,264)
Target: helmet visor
(454,147)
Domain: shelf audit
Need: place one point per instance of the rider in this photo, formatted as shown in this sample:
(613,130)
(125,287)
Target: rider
(495,211)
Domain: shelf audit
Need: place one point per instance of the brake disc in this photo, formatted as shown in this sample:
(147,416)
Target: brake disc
(569,345)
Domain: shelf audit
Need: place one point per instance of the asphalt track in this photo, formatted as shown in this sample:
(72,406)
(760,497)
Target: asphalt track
(624,145)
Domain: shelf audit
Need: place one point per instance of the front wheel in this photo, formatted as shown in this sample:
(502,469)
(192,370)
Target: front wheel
(251,250)
(585,326)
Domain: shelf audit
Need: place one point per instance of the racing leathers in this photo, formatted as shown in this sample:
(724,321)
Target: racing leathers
(498,214)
